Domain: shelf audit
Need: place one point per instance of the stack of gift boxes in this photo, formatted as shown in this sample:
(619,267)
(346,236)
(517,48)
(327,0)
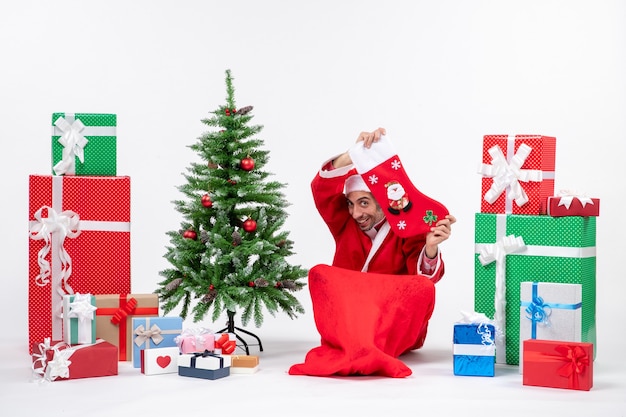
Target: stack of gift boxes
(82,317)
(534,273)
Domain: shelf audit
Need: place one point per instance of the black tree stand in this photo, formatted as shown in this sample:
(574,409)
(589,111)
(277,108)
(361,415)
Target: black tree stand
(230,328)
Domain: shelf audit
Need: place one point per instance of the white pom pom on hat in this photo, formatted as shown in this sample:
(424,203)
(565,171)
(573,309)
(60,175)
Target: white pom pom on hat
(355,183)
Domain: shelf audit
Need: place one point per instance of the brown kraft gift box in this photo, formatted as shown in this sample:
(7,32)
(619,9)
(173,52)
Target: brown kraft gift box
(114,313)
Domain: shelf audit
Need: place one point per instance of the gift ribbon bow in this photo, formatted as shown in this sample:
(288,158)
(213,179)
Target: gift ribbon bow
(507,175)
(60,367)
(226,343)
(485,334)
(63,225)
(568,196)
(143,334)
(576,361)
(81,308)
(206,354)
(123,312)
(198,337)
(497,253)
(73,143)
(538,311)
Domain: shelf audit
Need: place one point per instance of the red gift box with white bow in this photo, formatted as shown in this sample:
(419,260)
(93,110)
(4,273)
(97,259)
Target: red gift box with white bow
(56,360)
(569,203)
(79,229)
(518,173)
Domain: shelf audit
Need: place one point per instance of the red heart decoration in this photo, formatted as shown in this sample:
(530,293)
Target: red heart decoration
(163,361)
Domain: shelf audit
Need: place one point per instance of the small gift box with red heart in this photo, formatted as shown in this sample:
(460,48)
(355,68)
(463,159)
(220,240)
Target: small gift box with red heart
(570,203)
(159,361)
(558,364)
(204,365)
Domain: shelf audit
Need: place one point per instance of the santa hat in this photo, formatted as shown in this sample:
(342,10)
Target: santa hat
(355,183)
(408,210)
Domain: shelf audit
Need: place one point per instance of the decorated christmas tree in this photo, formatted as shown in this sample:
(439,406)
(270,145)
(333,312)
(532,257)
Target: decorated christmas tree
(230,254)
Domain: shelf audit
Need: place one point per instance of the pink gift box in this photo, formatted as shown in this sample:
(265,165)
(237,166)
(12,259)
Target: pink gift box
(195,341)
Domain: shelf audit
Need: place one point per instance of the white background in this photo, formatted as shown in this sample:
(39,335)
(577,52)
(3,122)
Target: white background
(437,75)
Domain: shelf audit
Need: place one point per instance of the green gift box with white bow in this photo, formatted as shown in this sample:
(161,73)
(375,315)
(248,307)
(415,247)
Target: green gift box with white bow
(84,144)
(510,249)
(79,319)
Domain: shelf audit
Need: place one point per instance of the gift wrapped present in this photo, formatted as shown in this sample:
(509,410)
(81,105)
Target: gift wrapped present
(154,332)
(550,311)
(558,364)
(84,144)
(204,365)
(571,203)
(226,343)
(243,364)
(79,320)
(56,360)
(518,173)
(193,340)
(511,249)
(79,229)
(159,361)
(114,318)
(474,347)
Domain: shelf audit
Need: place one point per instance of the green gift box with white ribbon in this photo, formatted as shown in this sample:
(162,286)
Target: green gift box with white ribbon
(510,249)
(79,319)
(84,144)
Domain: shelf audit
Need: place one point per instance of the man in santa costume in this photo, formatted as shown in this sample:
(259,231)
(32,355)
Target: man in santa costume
(375,300)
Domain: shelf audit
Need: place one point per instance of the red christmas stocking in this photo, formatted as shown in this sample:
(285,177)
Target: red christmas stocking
(408,211)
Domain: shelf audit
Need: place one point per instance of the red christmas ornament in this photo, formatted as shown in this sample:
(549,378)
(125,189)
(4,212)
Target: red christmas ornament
(232,182)
(251,284)
(206,201)
(190,234)
(247,164)
(227,111)
(211,287)
(249,225)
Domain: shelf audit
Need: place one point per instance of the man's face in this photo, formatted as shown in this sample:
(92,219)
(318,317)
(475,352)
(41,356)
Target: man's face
(364,209)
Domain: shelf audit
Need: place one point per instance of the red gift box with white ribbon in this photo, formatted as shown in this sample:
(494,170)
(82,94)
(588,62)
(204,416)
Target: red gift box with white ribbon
(572,203)
(79,229)
(518,173)
(57,360)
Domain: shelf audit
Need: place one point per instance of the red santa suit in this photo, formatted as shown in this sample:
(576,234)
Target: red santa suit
(373,303)
(380,251)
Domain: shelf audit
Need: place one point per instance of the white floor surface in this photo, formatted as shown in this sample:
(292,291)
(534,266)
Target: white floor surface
(432,388)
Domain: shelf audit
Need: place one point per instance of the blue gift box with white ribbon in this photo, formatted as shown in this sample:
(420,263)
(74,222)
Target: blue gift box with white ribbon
(154,332)
(474,349)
